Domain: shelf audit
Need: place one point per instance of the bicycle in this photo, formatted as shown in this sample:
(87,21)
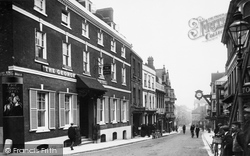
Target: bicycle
(217,145)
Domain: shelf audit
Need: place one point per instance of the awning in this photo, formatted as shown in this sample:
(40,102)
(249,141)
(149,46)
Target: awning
(228,99)
(84,82)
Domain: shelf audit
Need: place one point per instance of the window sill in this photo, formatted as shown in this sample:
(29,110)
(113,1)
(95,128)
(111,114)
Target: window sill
(101,44)
(41,62)
(41,12)
(114,122)
(101,77)
(102,123)
(68,68)
(86,36)
(67,26)
(113,51)
(87,74)
(114,81)
(124,84)
(42,130)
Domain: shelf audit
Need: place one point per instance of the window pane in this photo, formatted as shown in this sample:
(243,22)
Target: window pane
(41,118)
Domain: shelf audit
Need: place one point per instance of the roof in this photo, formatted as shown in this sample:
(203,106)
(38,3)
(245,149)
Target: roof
(216,76)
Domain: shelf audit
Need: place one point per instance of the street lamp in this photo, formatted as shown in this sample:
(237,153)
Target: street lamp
(238,31)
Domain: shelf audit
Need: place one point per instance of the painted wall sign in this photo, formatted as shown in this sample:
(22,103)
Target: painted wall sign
(209,28)
(58,72)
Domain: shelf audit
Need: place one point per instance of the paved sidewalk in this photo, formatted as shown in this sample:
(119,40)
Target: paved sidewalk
(207,139)
(105,145)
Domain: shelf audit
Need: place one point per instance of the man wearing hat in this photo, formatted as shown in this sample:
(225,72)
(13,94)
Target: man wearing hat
(72,135)
(237,139)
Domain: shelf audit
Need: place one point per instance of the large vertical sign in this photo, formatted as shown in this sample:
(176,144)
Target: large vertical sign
(12,108)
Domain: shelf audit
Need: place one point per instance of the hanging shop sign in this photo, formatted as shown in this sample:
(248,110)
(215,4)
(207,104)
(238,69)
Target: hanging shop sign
(107,69)
(12,89)
(58,72)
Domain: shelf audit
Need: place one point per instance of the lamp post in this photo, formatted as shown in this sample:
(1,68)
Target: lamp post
(238,31)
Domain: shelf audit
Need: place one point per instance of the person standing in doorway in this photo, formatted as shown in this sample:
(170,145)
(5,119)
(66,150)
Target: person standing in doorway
(72,135)
(197,130)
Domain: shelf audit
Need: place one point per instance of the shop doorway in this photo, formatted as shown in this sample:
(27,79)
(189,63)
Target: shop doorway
(84,117)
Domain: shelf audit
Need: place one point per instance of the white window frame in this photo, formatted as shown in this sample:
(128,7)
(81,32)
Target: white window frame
(65,17)
(123,51)
(102,110)
(40,44)
(46,125)
(113,45)
(40,6)
(100,38)
(100,66)
(86,63)
(124,113)
(85,28)
(70,117)
(113,71)
(149,83)
(123,74)
(114,111)
(153,83)
(66,55)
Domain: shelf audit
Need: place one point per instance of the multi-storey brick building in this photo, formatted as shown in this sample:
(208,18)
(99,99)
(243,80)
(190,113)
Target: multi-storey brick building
(64,64)
(149,101)
(137,108)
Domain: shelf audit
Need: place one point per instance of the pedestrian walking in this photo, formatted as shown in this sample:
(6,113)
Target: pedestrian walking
(197,130)
(192,130)
(72,135)
(184,129)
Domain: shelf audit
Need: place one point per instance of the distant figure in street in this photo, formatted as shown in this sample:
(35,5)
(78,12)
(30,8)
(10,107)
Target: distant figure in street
(237,137)
(72,135)
(227,142)
(197,130)
(184,129)
(192,130)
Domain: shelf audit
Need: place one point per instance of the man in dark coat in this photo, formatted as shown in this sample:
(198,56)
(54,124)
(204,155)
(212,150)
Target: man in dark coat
(72,135)
(192,130)
(184,129)
(197,130)
(227,142)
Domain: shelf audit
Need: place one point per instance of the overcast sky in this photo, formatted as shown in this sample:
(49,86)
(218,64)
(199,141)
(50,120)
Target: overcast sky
(160,29)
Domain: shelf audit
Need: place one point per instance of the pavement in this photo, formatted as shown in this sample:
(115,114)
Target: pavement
(206,137)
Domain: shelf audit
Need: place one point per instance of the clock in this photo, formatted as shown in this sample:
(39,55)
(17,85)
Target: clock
(198,94)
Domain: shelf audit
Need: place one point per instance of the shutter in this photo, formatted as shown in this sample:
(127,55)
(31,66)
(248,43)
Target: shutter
(127,109)
(106,110)
(98,106)
(52,122)
(118,110)
(33,110)
(61,110)
(111,109)
(122,110)
(74,109)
